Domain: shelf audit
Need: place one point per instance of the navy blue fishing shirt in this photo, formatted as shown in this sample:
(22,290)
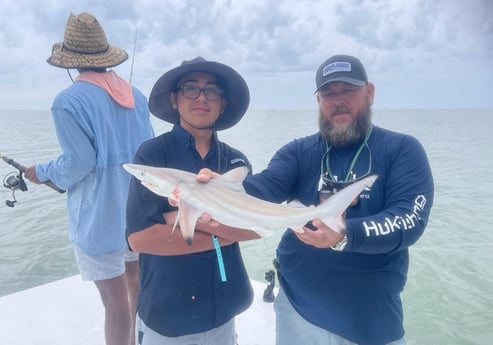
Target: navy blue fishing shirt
(184,294)
(354,293)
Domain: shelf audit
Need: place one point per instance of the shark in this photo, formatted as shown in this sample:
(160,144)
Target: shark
(225,200)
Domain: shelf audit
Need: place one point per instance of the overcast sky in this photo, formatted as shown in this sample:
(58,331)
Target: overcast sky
(418,53)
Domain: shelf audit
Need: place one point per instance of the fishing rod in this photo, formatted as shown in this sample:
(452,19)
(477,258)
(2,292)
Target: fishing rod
(133,58)
(15,181)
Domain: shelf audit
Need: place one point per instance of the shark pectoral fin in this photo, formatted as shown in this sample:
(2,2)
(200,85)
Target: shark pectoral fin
(188,217)
(177,221)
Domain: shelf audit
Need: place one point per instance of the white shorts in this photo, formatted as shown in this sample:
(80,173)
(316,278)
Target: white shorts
(104,266)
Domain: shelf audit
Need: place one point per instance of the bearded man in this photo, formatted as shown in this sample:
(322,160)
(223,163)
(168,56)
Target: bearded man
(344,288)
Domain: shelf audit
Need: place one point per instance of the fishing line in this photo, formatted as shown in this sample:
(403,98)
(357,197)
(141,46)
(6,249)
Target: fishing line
(133,59)
(70,75)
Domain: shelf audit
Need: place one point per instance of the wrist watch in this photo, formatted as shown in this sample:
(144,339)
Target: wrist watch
(339,246)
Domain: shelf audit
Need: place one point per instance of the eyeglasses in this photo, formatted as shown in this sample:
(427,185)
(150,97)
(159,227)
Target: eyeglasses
(329,184)
(193,92)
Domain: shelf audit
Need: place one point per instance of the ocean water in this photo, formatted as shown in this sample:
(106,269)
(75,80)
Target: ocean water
(448,297)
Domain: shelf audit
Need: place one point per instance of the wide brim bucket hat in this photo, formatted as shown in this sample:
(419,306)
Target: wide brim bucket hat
(85,45)
(236,92)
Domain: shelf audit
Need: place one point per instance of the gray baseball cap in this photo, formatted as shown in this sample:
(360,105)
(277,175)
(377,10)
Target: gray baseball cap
(343,68)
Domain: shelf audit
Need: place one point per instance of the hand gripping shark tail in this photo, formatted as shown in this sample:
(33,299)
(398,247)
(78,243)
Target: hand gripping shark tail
(224,199)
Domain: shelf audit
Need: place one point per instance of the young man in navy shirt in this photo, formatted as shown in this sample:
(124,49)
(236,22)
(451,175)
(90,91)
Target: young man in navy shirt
(189,294)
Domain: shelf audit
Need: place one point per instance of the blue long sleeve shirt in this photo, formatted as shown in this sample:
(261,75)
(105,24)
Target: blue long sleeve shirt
(354,293)
(96,135)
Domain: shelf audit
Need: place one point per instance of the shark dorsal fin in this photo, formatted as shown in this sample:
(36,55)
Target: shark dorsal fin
(234,175)
(234,178)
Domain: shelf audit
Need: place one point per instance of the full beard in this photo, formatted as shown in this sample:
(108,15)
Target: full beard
(345,135)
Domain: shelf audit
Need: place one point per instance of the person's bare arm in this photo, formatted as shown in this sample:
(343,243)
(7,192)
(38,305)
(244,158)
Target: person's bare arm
(161,239)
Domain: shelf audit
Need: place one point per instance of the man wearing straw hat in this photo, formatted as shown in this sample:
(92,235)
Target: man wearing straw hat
(100,121)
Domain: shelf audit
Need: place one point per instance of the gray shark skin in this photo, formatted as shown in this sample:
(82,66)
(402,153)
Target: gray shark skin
(225,200)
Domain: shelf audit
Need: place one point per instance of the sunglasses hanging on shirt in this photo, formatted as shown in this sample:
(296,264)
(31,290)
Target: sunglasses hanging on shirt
(329,184)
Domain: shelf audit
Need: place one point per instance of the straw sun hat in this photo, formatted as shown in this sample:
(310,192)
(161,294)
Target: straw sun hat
(85,45)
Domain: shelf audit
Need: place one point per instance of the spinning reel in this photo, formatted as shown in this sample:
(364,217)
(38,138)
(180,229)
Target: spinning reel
(14,181)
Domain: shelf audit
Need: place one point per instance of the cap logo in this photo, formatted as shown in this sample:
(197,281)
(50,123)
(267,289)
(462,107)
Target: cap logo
(336,67)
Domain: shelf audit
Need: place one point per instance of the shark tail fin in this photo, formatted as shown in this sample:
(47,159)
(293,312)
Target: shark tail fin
(335,206)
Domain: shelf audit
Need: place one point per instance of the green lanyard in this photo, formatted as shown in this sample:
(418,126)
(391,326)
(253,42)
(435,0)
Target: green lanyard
(349,174)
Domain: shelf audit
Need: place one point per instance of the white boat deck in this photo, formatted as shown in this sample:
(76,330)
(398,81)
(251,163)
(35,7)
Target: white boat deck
(69,311)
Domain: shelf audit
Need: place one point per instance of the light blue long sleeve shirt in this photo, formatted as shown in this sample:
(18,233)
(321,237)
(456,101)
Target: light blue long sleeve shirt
(96,135)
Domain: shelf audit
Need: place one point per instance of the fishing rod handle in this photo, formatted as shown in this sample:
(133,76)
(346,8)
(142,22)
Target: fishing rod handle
(22,168)
(47,183)
(53,186)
